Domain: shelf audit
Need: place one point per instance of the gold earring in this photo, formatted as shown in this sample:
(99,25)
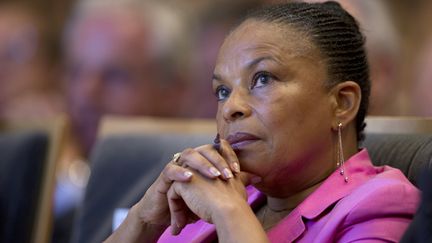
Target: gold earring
(341,161)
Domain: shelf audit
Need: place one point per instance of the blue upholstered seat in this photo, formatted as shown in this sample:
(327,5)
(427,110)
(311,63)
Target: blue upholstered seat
(22,158)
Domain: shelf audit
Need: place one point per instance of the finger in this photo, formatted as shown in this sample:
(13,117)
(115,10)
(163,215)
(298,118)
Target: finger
(228,153)
(178,211)
(216,159)
(175,230)
(194,159)
(249,179)
(172,173)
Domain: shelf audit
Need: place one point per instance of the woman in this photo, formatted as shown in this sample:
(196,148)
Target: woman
(292,85)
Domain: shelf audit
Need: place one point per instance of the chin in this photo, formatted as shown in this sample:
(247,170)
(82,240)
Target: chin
(250,165)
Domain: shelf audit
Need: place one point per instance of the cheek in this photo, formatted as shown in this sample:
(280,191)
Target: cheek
(220,122)
(281,112)
(293,121)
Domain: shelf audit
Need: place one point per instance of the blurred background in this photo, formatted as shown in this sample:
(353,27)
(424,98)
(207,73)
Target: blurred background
(88,58)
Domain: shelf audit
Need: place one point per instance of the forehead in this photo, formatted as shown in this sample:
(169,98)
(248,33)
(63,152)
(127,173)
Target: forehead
(257,35)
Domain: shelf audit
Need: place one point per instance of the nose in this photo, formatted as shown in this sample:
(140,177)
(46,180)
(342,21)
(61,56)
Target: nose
(85,85)
(236,106)
(85,90)
(90,85)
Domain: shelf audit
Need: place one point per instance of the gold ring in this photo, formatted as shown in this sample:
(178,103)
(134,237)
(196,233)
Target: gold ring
(176,158)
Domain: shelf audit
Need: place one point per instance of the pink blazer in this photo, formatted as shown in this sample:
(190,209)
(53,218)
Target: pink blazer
(377,204)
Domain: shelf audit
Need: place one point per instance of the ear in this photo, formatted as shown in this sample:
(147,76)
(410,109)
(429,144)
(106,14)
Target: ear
(346,98)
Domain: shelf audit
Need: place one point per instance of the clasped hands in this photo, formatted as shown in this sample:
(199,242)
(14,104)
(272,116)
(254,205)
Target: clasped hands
(200,183)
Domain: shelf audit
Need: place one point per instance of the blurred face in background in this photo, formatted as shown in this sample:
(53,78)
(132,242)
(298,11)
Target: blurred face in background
(21,65)
(110,69)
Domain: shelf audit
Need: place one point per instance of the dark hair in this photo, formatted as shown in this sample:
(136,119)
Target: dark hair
(336,34)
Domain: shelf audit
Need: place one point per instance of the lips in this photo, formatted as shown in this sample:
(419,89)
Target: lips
(240,140)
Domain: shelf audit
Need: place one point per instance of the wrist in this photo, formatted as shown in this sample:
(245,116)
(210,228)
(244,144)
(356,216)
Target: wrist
(236,222)
(135,228)
(142,221)
(225,211)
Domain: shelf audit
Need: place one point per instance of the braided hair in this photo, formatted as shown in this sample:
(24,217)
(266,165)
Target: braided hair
(337,36)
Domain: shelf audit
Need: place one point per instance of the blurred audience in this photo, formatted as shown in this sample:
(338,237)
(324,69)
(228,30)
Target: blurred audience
(28,84)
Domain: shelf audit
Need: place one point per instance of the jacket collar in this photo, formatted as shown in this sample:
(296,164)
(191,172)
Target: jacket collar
(358,169)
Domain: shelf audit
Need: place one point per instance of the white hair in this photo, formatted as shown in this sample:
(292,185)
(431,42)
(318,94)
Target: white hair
(167,26)
(376,23)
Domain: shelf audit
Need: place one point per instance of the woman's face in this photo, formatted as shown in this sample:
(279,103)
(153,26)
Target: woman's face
(273,106)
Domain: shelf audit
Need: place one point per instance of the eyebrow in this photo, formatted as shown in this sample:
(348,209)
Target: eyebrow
(256,61)
(216,77)
(249,65)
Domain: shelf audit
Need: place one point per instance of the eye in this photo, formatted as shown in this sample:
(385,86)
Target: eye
(261,79)
(222,92)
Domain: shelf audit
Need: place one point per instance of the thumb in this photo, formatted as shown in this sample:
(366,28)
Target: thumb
(248,178)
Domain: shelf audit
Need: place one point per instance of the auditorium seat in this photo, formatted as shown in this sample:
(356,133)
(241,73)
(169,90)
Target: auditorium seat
(129,154)
(28,154)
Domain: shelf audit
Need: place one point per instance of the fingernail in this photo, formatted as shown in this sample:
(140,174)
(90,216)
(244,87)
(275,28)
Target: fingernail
(236,167)
(227,173)
(214,171)
(256,179)
(187,174)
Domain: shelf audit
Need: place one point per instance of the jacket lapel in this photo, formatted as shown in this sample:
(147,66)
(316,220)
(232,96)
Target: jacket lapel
(334,188)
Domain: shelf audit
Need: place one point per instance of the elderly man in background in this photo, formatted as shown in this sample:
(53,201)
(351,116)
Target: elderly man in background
(120,59)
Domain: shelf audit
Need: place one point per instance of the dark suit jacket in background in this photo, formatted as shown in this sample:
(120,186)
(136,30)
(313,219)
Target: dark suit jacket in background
(420,229)
(22,157)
